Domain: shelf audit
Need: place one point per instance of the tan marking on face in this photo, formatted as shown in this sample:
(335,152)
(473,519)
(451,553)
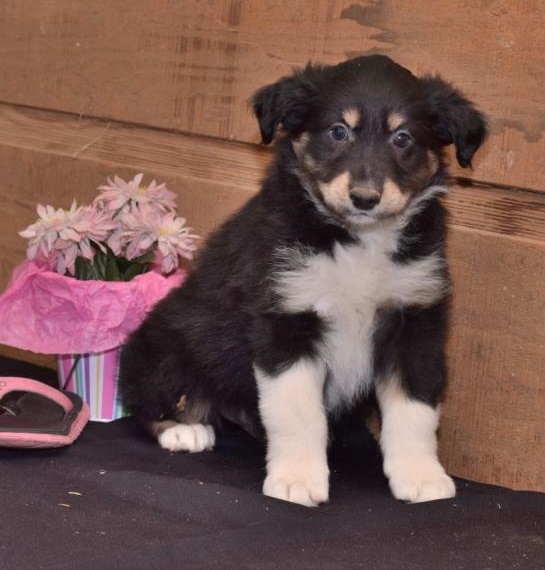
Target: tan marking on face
(336,192)
(395,120)
(433,163)
(393,200)
(300,148)
(427,171)
(300,144)
(310,163)
(352,117)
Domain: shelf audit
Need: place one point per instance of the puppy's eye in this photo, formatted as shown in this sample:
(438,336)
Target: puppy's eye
(339,132)
(402,139)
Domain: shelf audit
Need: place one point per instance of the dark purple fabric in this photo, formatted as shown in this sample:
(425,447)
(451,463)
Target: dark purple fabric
(115,500)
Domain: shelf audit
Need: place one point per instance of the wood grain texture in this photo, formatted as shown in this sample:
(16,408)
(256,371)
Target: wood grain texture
(494,413)
(191,66)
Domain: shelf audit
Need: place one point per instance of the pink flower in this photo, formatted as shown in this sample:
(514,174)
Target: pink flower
(60,236)
(51,225)
(147,228)
(126,220)
(92,225)
(120,195)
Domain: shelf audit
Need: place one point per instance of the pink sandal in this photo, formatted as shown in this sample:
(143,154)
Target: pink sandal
(33,414)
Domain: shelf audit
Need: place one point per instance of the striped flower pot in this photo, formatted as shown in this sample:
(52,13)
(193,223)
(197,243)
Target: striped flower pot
(93,376)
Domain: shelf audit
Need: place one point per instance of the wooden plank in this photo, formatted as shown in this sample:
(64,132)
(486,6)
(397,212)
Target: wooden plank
(494,413)
(516,214)
(191,66)
(47,360)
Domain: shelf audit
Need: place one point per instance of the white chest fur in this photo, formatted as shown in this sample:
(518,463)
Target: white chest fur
(346,289)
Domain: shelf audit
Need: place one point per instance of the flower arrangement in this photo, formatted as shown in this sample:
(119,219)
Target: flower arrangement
(127,230)
(123,251)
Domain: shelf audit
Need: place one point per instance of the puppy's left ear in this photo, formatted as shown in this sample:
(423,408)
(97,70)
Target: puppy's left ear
(454,119)
(285,102)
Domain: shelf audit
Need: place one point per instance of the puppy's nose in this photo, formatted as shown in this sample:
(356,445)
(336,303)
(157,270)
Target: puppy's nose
(364,202)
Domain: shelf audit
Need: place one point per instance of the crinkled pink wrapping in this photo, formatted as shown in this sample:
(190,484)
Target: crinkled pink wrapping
(45,312)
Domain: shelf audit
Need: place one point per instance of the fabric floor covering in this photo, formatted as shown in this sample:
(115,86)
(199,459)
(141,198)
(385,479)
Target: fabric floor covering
(115,500)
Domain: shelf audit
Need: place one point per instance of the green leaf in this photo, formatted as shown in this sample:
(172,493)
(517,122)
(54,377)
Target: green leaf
(107,267)
(134,270)
(99,265)
(84,270)
(111,271)
(146,258)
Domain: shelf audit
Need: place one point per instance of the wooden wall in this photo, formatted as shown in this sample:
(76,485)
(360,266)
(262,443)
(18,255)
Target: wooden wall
(91,88)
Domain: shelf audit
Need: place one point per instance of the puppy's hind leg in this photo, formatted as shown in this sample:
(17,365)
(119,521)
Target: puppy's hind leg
(174,436)
(188,432)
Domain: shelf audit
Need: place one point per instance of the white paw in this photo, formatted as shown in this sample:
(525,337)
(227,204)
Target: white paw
(188,437)
(297,484)
(419,480)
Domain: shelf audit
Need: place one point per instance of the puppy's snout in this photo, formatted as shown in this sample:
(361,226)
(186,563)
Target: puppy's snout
(364,202)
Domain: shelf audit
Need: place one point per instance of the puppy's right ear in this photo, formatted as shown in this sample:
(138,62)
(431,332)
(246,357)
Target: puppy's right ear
(285,102)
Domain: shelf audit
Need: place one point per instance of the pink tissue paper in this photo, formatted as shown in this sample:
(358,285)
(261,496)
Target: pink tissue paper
(45,312)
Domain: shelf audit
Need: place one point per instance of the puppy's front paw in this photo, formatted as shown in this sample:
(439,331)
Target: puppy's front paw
(418,481)
(297,484)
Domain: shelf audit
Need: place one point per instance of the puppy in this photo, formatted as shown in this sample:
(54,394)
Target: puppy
(329,284)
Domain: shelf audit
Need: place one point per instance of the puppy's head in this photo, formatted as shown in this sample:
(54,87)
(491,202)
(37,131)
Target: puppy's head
(367,134)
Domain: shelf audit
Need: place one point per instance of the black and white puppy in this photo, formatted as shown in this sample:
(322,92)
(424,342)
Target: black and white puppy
(329,284)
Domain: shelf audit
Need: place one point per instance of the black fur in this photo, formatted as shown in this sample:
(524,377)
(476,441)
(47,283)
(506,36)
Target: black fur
(203,339)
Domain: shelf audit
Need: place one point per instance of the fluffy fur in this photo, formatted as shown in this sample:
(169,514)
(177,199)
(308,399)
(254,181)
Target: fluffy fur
(329,284)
